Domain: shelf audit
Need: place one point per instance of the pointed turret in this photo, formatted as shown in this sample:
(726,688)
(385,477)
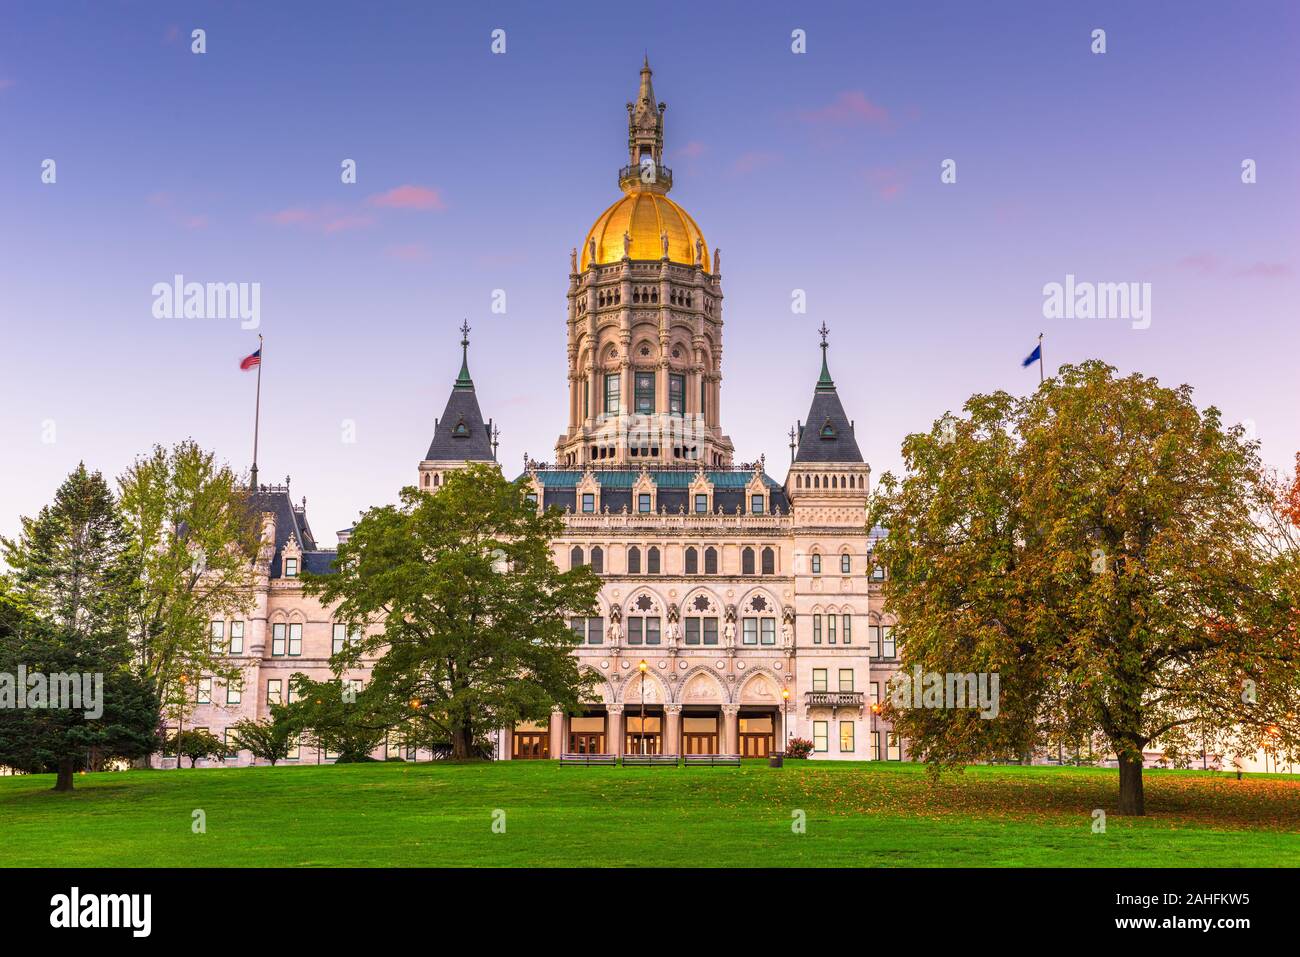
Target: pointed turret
(828,434)
(460,435)
(645,139)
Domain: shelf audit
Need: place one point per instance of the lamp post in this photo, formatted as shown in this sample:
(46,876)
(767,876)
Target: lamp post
(642,666)
(785,712)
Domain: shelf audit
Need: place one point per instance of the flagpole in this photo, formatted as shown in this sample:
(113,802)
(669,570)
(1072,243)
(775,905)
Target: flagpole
(257,414)
(1040,365)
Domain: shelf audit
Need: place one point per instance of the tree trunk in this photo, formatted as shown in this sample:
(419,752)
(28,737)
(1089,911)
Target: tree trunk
(64,781)
(1131,800)
(461,743)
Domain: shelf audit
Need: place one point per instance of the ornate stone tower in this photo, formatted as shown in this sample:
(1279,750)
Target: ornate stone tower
(461,435)
(645,322)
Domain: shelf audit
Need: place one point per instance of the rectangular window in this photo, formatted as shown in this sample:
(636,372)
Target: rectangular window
(236,637)
(644,383)
(756,505)
(692,631)
(821,731)
(846,736)
(749,631)
(846,563)
(341,638)
(819,679)
(218,633)
(531,498)
(612,394)
(677,394)
(652,631)
(875,693)
(295,639)
(205,691)
(848,630)
(579,628)
(875,745)
(295,749)
(234,691)
(277,640)
(589,502)
(887,649)
(289,692)
(643,502)
(817,629)
(273,691)
(701,503)
(846,679)
(816,564)
(893,748)
(767,631)
(595,631)
(634,636)
(710,631)
(873,641)
(877,573)
(830,629)
(229,741)
(290,568)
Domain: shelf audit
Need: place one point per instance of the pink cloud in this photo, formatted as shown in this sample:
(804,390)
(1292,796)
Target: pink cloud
(749,162)
(1262,270)
(289,217)
(692,150)
(850,108)
(408,252)
(886,182)
(409,197)
(342,224)
(1203,264)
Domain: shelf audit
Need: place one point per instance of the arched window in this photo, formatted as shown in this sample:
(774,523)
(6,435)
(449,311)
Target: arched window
(710,561)
(634,561)
(747,561)
(816,564)
(426,479)
(652,561)
(769,561)
(692,562)
(575,557)
(597,559)
(846,564)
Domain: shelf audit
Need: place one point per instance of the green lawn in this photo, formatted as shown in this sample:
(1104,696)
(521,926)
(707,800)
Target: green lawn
(429,815)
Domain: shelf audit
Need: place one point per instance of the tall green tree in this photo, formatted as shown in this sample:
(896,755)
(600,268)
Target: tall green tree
(195,541)
(1098,545)
(64,624)
(473,609)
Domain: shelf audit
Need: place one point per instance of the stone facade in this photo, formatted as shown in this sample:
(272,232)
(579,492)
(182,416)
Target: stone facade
(736,611)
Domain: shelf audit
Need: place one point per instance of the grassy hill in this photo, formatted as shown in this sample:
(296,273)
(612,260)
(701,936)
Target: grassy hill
(430,815)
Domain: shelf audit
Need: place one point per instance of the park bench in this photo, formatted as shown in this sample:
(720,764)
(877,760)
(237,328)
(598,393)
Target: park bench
(588,760)
(713,760)
(649,760)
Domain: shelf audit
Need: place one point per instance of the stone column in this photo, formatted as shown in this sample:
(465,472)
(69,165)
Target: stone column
(672,728)
(614,737)
(507,744)
(778,730)
(730,735)
(558,744)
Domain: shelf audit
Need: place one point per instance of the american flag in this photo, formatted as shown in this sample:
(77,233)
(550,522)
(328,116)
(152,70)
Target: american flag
(249,361)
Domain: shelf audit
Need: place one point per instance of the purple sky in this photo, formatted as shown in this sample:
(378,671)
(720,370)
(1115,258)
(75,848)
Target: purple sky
(478,172)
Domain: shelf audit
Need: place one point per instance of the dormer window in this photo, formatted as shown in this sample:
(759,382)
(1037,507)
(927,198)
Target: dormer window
(461,431)
(643,502)
(756,504)
(828,430)
(291,568)
(701,503)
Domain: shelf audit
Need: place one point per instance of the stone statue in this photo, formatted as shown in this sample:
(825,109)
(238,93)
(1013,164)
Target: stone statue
(717,262)
(627,246)
(573,259)
(729,632)
(593,250)
(663,241)
(615,632)
(674,632)
(699,251)
(787,635)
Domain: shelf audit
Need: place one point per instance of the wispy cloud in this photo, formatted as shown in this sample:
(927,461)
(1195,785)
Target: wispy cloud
(1262,270)
(754,160)
(850,109)
(409,252)
(692,150)
(409,197)
(174,210)
(886,182)
(1203,264)
(327,220)
(1212,264)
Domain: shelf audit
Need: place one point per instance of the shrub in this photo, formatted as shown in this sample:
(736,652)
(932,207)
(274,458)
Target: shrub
(798,748)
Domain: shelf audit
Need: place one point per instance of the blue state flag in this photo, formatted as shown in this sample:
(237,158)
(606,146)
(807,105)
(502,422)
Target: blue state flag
(1033,356)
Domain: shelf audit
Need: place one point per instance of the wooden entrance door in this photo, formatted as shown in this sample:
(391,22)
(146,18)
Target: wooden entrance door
(694,742)
(755,745)
(586,742)
(530,745)
(653,743)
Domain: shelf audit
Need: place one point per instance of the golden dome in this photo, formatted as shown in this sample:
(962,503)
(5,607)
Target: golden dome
(645,216)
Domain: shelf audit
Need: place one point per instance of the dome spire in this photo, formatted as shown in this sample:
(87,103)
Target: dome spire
(825,383)
(463,381)
(645,139)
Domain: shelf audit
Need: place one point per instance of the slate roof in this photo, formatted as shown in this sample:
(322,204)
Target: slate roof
(291,520)
(559,489)
(828,434)
(461,434)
